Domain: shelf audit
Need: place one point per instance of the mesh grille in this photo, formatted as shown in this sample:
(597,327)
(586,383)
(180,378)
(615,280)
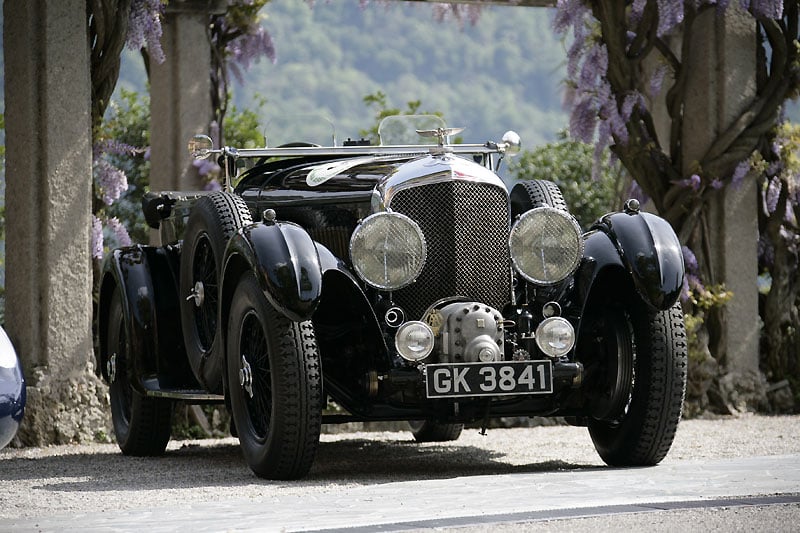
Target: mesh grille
(466,230)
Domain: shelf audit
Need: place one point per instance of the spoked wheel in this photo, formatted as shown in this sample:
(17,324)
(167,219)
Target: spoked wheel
(275,385)
(213,221)
(639,382)
(142,425)
(431,431)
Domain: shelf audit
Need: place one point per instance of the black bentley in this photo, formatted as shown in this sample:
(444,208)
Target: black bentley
(402,281)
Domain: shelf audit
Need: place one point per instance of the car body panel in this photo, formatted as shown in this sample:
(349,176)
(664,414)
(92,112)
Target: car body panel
(13,392)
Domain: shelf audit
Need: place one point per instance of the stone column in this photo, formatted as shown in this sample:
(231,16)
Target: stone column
(721,84)
(48,210)
(180,88)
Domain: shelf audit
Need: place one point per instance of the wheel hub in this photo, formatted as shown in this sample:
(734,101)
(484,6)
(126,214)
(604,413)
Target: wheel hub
(198,294)
(246,377)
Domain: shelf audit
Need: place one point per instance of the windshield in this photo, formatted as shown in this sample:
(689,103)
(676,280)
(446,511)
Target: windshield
(402,129)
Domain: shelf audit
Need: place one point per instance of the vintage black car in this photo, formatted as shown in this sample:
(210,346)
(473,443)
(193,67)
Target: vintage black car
(404,282)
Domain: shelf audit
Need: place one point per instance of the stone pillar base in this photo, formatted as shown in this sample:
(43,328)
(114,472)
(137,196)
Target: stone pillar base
(66,410)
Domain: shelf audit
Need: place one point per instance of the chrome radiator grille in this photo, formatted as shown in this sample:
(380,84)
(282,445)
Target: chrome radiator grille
(466,231)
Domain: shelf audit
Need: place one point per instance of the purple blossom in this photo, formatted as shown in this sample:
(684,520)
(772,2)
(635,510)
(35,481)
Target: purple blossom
(114,147)
(97,238)
(595,65)
(637,10)
(692,182)
(740,172)
(206,167)
(212,185)
(717,184)
(120,233)
(670,15)
(633,100)
(144,27)
(112,181)
(775,168)
(583,120)
(604,139)
(657,79)
(771,9)
(690,260)
(248,49)
(772,194)
(568,13)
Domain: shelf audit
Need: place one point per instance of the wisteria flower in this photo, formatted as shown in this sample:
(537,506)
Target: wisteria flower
(119,232)
(97,238)
(144,27)
(113,182)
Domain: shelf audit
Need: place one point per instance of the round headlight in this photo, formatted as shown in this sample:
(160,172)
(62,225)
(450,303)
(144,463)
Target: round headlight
(546,245)
(388,250)
(555,336)
(414,341)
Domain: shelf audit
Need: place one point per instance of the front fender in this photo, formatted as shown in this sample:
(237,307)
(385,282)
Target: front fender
(651,253)
(286,264)
(145,278)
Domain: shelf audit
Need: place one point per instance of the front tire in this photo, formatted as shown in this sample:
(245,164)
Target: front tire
(642,430)
(430,431)
(275,385)
(142,425)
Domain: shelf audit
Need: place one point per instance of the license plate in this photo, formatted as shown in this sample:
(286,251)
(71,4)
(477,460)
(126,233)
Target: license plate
(507,378)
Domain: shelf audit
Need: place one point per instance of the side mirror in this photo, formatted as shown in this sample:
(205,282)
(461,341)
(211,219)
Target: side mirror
(513,143)
(200,146)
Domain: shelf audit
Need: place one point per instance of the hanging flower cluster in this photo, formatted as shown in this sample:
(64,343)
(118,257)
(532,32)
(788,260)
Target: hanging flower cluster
(144,27)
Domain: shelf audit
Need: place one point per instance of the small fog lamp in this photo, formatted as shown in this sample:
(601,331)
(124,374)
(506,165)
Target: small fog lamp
(414,341)
(555,336)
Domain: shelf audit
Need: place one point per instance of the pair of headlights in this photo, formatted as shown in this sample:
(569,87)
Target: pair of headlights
(389,251)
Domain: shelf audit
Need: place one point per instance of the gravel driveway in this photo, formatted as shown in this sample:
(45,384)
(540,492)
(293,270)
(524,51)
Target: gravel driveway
(38,482)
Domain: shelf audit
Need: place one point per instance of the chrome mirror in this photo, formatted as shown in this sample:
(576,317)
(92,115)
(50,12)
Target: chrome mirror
(200,146)
(513,143)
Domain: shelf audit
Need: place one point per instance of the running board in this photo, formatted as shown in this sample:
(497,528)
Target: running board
(186,395)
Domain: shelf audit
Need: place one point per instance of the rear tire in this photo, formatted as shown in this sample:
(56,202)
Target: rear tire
(641,433)
(274,385)
(142,425)
(214,219)
(430,431)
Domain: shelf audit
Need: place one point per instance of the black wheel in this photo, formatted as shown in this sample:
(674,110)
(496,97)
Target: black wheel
(530,194)
(214,219)
(142,425)
(639,378)
(430,431)
(275,385)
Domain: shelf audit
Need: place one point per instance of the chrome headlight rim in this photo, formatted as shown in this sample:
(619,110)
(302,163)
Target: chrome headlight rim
(403,346)
(543,336)
(578,252)
(421,254)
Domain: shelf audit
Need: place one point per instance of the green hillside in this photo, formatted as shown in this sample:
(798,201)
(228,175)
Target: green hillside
(503,73)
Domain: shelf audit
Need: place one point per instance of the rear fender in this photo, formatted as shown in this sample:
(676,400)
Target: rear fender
(285,262)
(145,277)
(647,248)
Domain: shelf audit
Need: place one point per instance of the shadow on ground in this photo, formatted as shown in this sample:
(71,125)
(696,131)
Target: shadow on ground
(356,461)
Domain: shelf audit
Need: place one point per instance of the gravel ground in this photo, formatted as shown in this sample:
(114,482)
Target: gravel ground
(38,482)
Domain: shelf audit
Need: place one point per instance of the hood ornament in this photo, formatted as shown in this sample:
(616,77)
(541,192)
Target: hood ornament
(441,134)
